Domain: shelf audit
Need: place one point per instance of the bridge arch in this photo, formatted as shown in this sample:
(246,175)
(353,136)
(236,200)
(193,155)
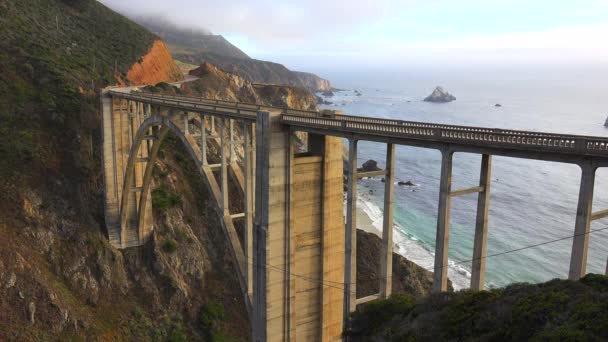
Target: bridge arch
(165,125)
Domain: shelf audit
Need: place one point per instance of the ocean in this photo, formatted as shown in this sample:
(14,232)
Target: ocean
(531,201)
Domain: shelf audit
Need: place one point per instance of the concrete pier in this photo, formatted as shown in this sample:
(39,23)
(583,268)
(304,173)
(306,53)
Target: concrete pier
(580,243)
(478,269)
(440,275)
(386,261)
(350,272)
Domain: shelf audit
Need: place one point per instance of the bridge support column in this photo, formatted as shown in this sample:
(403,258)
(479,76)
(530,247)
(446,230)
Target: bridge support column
(298,237)
(204,140)
(232,157)
(224,168)
(580,243)
(248,201)
(386,263)
(350,253)
(440,276)
(481,225)
(186,128)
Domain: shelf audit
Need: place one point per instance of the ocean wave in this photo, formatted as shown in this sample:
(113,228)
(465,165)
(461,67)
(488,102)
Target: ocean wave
(410,247)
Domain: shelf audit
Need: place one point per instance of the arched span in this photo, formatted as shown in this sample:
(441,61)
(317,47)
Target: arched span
(165,125)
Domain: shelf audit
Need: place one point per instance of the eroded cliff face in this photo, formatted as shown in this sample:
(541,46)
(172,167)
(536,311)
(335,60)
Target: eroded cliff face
(214,83)
(156,66)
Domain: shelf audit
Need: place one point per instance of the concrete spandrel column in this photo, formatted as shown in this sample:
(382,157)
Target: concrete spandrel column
(232,157)
(224,168)
(440,275)
(186,128)
(386,262)
(580,243)
(204,119)
(481,225)
(350,271)
(248,195)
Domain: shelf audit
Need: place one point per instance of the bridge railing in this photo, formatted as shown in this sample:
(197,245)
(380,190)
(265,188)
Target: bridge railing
(458,134)
(231,104)
(194,106)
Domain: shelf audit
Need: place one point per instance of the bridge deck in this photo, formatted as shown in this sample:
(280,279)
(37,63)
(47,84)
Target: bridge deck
(516,143)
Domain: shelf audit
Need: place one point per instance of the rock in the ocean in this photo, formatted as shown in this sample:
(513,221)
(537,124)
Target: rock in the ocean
(328,93)
(498,105)
(370,165)
(322,101)
(439,95)
(606,123)
(408,183)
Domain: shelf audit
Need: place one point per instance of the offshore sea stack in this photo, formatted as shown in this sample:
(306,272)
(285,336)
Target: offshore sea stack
(606,123)
(439,95)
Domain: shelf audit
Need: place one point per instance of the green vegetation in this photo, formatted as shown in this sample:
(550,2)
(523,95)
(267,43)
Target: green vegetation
(169,245)
(170,329)
(54,56)
(559,310)
(210,318)
(163,198)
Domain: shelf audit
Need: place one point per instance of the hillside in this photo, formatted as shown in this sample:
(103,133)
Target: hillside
(196,47)
(59,277)
(258,71)
(559,310)
(189,41)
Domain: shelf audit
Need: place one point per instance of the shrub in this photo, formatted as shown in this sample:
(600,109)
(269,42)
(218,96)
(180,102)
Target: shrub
(169,245)
(163,198)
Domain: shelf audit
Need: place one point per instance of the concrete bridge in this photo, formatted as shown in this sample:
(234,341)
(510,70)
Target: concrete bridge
(297,264)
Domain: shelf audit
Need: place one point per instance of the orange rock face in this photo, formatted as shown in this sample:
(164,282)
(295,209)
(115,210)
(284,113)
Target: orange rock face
(156,66)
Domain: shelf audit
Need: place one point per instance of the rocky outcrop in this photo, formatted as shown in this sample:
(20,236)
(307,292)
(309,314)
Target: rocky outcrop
(156,66)
(312,81)
(217,84)
(606,123)
(408,278)
(408,183)
(370,165)
(439,95)
(257,71)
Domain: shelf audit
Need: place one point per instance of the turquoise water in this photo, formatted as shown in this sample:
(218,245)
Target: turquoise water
(531,201)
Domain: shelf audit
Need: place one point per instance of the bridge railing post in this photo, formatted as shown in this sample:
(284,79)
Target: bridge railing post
(440,275)
(386,262)
(481,225)
(580,243)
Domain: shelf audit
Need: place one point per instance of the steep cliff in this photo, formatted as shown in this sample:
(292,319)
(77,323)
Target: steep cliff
(408,278)
(155,66)
(258,71)
(214,83)
(196,47)
(59,277)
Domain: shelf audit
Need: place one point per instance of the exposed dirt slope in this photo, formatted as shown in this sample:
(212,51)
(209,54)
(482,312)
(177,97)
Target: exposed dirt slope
(156,66)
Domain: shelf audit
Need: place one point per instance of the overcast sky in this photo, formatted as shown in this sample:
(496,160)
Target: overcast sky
(330,33)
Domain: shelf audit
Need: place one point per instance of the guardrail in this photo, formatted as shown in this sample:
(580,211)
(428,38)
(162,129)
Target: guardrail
(193,106)
(484,137)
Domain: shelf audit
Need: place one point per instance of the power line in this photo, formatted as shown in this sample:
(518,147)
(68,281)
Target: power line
(341,285)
